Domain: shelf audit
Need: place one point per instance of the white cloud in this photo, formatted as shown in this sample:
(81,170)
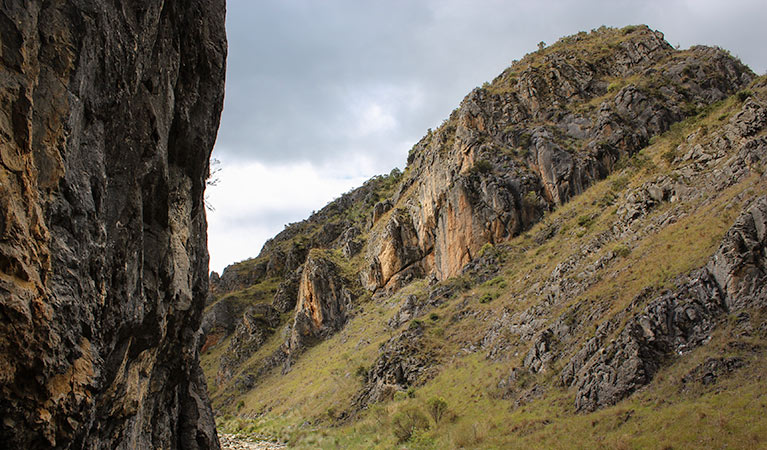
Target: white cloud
(373,119)
(253,201)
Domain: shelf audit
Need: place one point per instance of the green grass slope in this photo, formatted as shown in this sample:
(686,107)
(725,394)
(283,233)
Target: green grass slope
(469,397)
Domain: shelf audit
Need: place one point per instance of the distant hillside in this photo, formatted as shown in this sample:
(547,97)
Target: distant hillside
(577,252)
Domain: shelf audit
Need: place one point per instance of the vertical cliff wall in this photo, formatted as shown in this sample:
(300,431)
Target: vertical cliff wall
(108,113)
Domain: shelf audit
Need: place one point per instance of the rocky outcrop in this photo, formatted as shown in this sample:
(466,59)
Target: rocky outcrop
(543,131)
(239,276)
(740,265)
(712,369)
(396,250)
(287,293)
(324,300)
(402,362)
(605,372)
(254,328)
(108,115)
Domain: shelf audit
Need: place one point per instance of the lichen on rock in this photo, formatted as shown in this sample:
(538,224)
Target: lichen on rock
(109,113)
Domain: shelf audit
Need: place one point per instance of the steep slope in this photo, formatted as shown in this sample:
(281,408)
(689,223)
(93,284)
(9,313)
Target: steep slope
(512,291)
(109,113)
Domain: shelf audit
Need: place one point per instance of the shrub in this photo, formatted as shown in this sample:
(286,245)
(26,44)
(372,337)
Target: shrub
(530,199)
(406,422)
(240,405)
(629,29)
(614,86)
(488,247)
(525,139)
(362,372)
(744,95)
(434,316)
(482,166)
(497,281)
(436,407)
(585,221)
(487,297)
(621,250)
(607,200)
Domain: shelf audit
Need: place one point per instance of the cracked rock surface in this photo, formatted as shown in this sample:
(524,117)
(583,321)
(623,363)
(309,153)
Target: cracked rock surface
(108,113)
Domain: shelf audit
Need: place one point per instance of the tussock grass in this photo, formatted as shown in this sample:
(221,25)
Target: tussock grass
(667,413)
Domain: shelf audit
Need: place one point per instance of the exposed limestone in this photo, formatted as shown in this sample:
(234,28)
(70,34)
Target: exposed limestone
(402,363)
(677,321)
(531,140)
(324,301)
(108,113)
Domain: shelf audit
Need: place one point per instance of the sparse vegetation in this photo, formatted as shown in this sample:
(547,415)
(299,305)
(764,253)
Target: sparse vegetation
(437,406)
(476,326)
(408,422)
(482,166)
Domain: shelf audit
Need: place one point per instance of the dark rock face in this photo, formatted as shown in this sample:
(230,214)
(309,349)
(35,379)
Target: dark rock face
(677,321)
(108,115)
(256,325)
(740,264)
(712,369)
(402,363)
(287,293)
(671,324)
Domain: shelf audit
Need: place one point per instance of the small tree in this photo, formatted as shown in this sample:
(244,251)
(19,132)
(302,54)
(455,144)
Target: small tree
(406,423)
(541,45)
(436,407)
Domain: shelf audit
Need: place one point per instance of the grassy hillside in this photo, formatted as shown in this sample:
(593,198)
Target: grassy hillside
(593,261)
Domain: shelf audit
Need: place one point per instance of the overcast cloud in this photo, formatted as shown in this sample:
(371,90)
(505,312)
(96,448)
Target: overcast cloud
(321,95)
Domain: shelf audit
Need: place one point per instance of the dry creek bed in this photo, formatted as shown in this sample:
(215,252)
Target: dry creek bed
(233,442)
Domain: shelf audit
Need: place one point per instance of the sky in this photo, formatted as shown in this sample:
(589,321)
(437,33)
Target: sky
(323,94)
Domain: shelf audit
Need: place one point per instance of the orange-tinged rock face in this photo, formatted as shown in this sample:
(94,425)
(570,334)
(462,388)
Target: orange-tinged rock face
(323,300)
(307,300)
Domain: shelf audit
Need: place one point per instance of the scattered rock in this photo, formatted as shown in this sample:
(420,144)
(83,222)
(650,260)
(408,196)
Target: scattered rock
(402,362)
(678,321)
(713,368)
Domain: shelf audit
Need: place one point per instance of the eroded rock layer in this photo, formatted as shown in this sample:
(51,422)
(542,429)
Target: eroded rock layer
(108,113)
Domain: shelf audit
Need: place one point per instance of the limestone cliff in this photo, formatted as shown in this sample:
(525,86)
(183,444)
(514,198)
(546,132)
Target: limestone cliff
(543,131)
(108,113)
(324,300)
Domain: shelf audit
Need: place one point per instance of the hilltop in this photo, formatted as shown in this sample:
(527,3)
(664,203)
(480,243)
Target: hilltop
(577,254)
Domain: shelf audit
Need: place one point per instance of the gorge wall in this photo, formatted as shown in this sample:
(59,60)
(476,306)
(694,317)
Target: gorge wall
(108,113)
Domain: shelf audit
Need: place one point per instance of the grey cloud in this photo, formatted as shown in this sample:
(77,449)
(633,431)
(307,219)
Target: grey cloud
(296,67)
(300,73)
